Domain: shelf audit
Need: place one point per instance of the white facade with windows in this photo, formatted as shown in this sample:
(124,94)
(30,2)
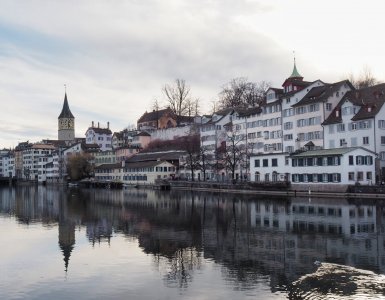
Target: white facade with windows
(100,136)
(343,166)
(145,172)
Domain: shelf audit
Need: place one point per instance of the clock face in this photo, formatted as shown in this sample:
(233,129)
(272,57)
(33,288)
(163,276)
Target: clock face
(66,124)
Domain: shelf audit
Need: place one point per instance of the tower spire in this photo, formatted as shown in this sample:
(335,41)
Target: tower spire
(295,73)
(66,112)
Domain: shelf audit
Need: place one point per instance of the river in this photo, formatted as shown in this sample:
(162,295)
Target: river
(69,243)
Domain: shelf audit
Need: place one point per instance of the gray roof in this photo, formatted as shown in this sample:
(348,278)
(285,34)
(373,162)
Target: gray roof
(328,152)
(132,165)
(154,156)
(66,112)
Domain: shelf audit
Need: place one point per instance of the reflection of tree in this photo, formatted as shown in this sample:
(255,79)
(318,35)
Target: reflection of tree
(179,267)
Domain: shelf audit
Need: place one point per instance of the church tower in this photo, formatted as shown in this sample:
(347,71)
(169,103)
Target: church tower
(66,123)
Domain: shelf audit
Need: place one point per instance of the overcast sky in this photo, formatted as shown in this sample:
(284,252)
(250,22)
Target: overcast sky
(115,56)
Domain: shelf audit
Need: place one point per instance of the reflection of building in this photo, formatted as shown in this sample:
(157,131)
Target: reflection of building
(66,240)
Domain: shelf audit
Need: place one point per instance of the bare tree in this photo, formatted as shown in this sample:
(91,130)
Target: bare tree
(364,80)
(192,107)
(235,149)
(240,92)
(178,96)
(155,105)
(191,144)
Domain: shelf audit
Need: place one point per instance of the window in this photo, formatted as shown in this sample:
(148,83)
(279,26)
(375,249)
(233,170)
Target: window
(382,155)
(365,140)
(328,106)
(265,162)
(340,127)
(351,176)
(288,125)
(256,163)
(289,149)
(381,124)
(342,142)
(351,160)
(368,175)
(274,162)
(353,141)
(382,140)
(352,126)
(360,176)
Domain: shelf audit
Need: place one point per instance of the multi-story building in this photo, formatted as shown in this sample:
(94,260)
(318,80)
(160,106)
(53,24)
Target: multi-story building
(100,136)
(31,157)
(7,165)
(157,119)
(358,120)
(49,168)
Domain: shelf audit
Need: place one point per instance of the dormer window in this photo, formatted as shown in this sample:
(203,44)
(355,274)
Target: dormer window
(337,113)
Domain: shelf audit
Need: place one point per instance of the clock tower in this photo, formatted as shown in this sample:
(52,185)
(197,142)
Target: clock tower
(66,123)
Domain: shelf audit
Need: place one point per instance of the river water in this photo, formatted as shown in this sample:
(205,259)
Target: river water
(59,243)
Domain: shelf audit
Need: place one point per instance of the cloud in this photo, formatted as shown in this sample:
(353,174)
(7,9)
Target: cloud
(116,55)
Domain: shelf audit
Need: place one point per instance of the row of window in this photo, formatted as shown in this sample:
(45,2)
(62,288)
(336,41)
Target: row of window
(331,177)
(135,178)
(324,177)
(265,162)
(308,136)
(351,126)
(316,161)
(309,122)
(131,170)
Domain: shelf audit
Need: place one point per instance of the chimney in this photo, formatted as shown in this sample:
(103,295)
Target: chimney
(108,125)
(92,124)
(98,124)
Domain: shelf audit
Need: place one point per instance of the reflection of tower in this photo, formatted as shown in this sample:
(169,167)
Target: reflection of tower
(66,240)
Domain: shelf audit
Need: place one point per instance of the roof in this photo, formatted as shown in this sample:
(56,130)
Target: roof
(100,130)
(154,115)
(151,156)
(143,133)
(141,164)
(370,100)
(322,93)
(328,152)
(108,166)
(43,146)
(66,112)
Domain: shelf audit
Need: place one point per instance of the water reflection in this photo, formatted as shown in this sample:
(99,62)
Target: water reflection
(252,240)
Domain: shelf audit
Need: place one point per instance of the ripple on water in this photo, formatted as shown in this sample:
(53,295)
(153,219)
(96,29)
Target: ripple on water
(333,281)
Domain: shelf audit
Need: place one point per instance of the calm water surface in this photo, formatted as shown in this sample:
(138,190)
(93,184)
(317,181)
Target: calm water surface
(59,243)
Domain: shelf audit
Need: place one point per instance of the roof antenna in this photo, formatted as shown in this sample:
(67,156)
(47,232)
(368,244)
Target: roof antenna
(65,88)
(294,56)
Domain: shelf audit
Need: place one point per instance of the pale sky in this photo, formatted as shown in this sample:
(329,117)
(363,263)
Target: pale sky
(115,56)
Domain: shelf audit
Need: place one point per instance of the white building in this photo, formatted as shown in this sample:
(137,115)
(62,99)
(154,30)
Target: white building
(31,158)
(142,172)
(359,121)
(7,163)
(49,168)
(322,169)
(100,136)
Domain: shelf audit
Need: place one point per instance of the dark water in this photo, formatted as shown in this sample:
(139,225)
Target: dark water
(142,244)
